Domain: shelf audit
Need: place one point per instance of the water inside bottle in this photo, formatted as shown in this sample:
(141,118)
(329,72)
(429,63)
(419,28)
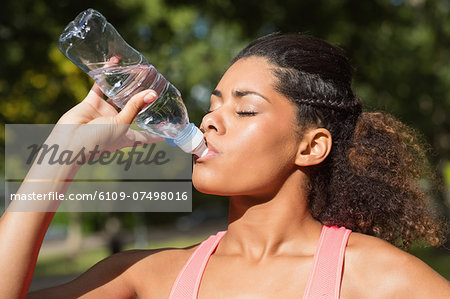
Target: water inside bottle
(166,116)
(119,83)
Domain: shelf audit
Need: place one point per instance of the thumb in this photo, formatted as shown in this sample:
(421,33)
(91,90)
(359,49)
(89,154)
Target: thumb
(134,105)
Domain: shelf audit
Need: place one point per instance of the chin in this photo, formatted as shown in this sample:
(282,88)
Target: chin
(220,187)
(211,185)
(207,187)
(204,181)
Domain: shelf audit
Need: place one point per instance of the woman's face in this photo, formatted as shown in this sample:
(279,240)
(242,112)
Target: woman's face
(251,133)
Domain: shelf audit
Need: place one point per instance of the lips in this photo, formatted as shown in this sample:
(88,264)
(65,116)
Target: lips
(212,152)
(210,146)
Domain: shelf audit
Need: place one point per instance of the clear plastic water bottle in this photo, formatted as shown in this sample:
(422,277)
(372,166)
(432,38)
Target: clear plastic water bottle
(96,47)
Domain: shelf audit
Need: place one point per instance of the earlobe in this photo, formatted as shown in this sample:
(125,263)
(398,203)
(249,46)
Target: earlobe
(314,148)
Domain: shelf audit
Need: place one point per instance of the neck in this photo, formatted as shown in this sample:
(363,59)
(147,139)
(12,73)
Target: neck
(264,226)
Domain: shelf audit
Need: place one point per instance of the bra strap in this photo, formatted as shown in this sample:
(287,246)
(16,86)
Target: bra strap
(326,274)
(187,284)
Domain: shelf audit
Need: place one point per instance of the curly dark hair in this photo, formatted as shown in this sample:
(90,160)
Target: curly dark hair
(369,183)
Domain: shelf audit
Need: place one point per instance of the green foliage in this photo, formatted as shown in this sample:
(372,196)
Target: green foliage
(400,49)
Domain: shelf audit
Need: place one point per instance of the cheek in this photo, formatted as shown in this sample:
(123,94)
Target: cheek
(254,160)
(264,144)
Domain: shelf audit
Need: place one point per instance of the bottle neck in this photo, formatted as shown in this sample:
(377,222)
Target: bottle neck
(191,141)
(201,150)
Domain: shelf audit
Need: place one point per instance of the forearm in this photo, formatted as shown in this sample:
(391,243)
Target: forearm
(24,224)
(93,123)
(21,235)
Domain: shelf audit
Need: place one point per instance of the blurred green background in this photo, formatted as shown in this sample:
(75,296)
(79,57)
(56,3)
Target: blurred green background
(400,49)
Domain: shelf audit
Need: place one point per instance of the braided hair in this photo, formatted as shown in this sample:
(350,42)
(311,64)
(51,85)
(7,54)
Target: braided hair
(369,181)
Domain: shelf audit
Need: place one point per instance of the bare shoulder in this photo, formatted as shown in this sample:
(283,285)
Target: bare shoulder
(156,271)
(385,271)
(141,273)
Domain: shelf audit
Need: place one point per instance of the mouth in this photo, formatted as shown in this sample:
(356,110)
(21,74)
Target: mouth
(212,152)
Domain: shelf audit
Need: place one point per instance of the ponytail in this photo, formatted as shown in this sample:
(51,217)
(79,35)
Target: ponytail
(374,188)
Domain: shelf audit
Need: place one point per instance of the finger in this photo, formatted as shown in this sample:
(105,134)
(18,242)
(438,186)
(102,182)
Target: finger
(96,90)
(134,105)
(95,99)
(109,101)
(95,93)
(113,61)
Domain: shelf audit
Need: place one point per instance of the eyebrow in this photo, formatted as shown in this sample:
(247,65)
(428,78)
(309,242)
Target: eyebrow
(239,94)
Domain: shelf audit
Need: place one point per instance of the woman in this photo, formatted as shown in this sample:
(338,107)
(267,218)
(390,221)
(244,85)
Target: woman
(302,166)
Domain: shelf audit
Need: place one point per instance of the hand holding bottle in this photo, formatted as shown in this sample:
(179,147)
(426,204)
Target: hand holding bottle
(111,129)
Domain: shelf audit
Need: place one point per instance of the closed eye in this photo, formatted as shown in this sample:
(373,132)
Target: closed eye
(247,113)
(240,113)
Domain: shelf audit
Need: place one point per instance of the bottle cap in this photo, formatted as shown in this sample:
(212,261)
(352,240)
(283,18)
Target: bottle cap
(201,149)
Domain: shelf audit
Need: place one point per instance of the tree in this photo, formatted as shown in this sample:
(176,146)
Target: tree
(399,49)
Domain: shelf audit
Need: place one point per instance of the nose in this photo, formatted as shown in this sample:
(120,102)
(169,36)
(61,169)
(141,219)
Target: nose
(212,122)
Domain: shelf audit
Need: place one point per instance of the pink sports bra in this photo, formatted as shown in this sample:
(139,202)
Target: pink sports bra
(324,280)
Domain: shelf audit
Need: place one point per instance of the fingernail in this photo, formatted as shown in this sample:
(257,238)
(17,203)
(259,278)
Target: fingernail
(150,96)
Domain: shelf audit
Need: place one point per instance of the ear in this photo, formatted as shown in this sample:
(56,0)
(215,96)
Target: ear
(314,147)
